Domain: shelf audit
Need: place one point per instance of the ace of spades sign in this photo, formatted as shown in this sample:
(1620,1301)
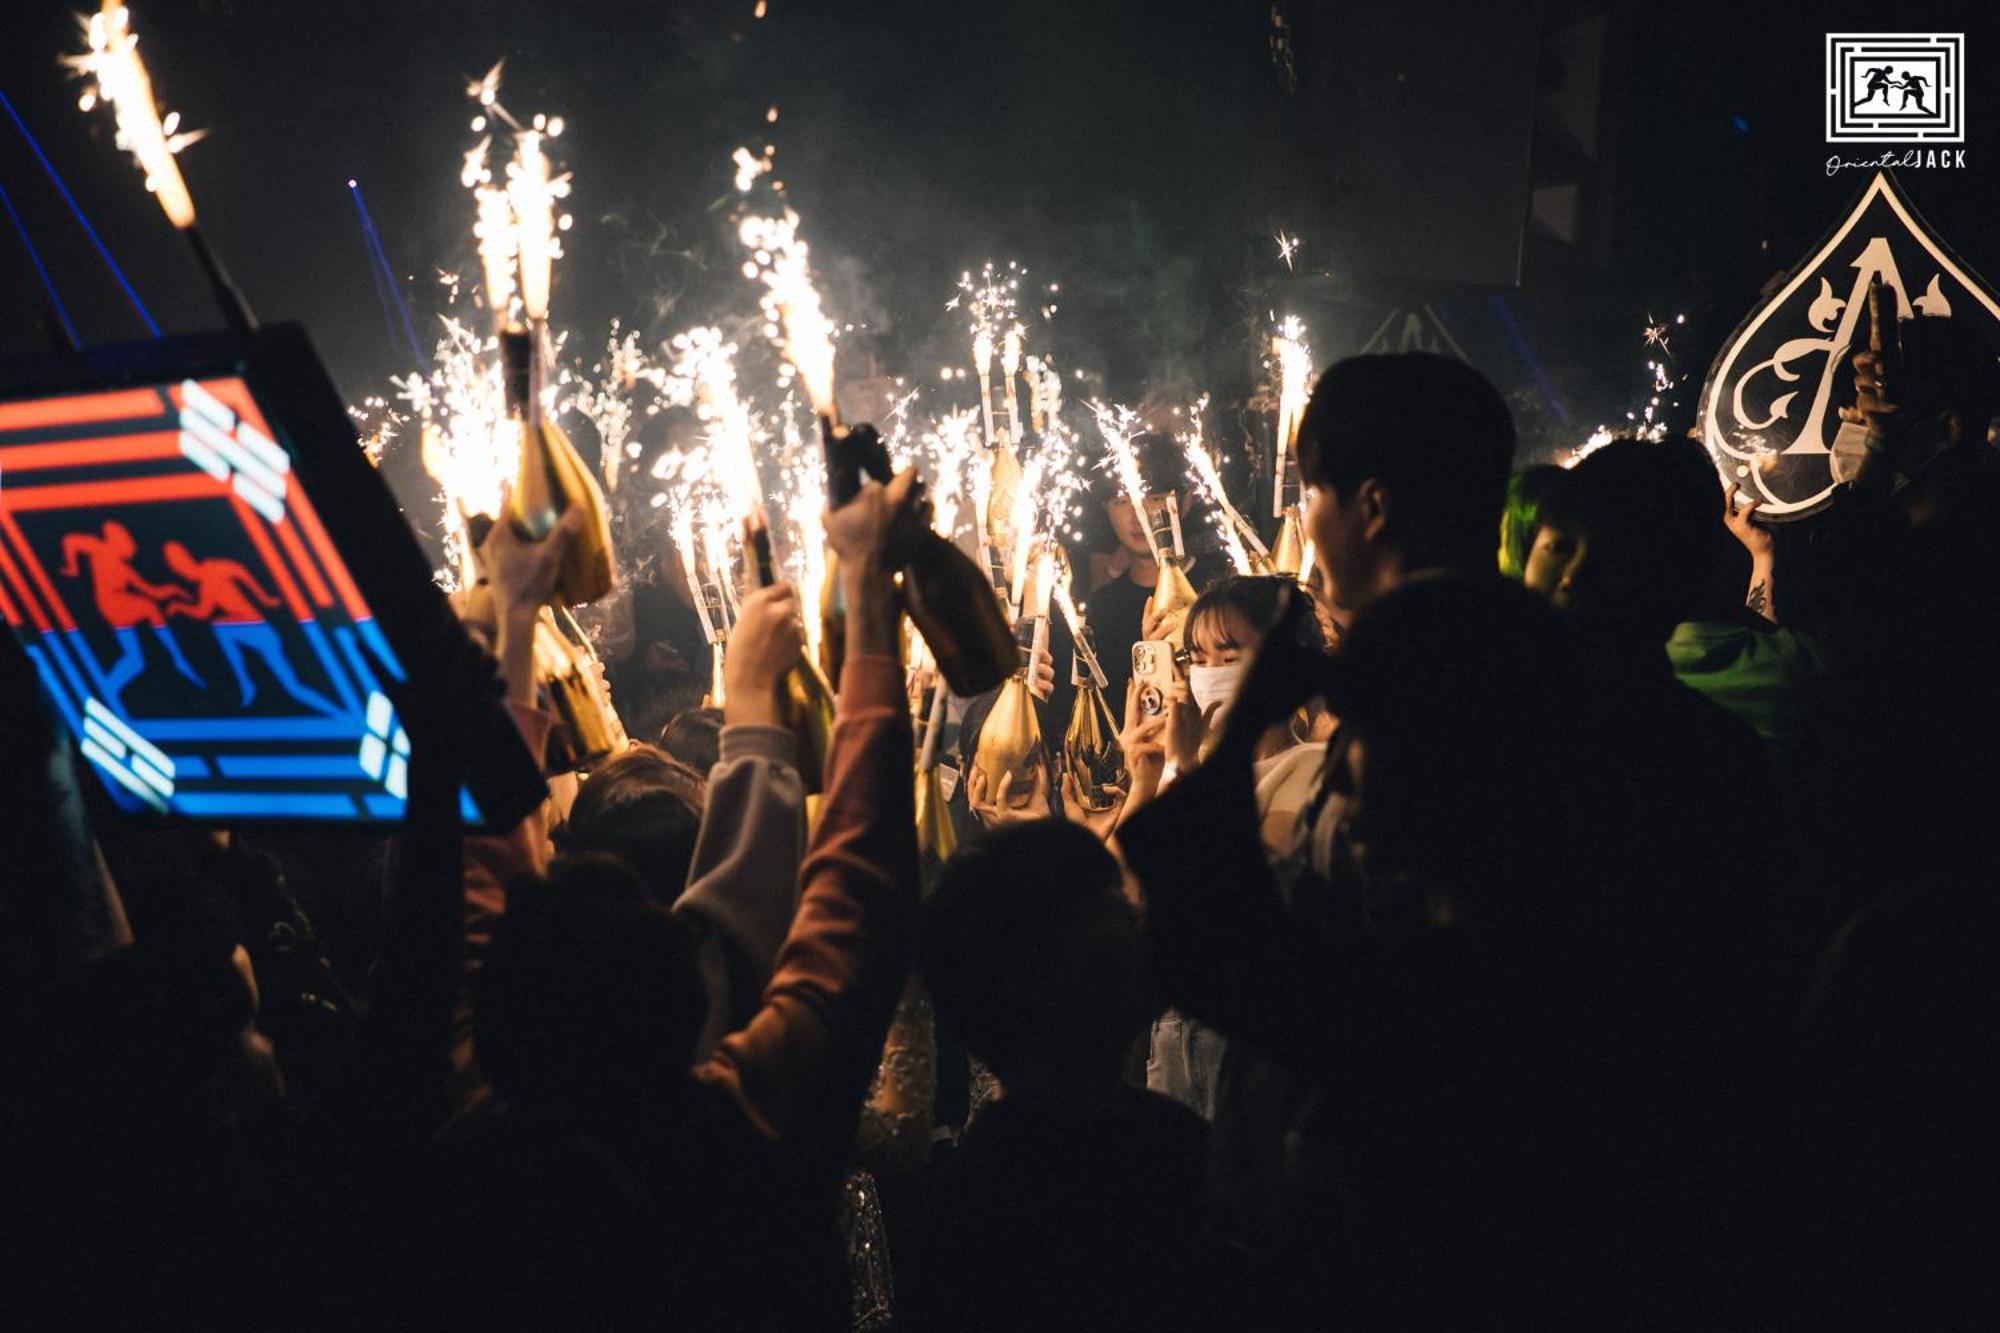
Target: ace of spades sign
(1768,409)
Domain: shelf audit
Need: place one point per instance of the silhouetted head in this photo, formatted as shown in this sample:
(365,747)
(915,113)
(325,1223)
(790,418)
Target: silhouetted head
(181,560)
(644,808)
(1627,544)
(694,737)
(1033,956)
(119,538)
(1407,455)
(589,998)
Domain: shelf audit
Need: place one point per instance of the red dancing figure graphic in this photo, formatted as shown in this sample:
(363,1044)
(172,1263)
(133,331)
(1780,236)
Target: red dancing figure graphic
(126,601)
(224,592)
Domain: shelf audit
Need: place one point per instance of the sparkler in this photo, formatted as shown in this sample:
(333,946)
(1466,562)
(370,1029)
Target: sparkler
(1294,363)
(1118,425)
(993,303)
(1010,368)
(781,260)
(1246,549)
(118,77)
(1644,421)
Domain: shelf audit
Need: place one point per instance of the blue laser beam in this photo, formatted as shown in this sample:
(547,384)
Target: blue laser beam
(390,292)
(145,316)
(41,269)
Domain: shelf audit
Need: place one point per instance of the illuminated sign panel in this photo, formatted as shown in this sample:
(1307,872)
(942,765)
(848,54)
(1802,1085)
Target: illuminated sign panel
(196,626)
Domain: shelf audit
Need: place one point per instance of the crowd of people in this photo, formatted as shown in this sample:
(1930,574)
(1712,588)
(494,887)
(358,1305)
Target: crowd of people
(1604,939)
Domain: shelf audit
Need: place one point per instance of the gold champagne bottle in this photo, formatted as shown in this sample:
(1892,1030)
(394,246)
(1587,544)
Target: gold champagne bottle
(1091,754)
(1289,549)
(588,731)
(947,595)
(552,478)
(1173,596)
(1010,742)
(936,839)
(805,700)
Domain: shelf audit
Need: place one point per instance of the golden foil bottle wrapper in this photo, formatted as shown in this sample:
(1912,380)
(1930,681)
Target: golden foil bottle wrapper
(1288,549)
(551,481)
(1173,597)
(1010,744)
(588,730)
(1090,750)
(936,839)
(805,703)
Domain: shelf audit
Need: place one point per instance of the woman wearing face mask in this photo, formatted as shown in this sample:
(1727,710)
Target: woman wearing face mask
(1223,629)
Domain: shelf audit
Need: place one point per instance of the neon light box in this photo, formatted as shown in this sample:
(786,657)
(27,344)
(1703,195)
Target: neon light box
(207,574)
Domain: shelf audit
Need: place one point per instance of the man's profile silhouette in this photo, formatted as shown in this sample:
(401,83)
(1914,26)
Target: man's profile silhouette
(1913,86)
(224,592)
(126,601)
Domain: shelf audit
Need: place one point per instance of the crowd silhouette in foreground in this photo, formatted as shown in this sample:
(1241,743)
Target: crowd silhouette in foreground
(1607,940)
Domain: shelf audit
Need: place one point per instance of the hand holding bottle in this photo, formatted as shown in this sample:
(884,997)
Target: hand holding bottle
(765,644)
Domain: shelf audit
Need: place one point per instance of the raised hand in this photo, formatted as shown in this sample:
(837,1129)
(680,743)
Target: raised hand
(765,644)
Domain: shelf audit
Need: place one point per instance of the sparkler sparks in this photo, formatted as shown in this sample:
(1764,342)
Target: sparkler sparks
(118,76)
(794,318)
(1238,536)
(1288,248)
(1118,425)
(1293,360)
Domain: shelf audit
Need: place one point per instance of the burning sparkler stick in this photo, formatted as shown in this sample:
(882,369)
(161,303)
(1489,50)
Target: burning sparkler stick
(1118,425)
(1010,368)
(1239,537)
(1294,364)
(118,77)
(781,260)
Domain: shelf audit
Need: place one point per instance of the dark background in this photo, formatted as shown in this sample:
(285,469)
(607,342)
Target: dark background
(1533,179)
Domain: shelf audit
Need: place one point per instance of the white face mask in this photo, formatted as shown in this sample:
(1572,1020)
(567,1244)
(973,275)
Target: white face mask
(1214,687)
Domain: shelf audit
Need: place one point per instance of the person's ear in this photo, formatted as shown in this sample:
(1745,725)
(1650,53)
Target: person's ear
(1371,500)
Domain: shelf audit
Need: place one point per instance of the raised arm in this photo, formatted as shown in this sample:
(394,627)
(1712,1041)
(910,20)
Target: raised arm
(743,883)
(801,1066)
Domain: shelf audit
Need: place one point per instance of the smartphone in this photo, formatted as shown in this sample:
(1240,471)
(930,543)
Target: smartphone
(1152,674)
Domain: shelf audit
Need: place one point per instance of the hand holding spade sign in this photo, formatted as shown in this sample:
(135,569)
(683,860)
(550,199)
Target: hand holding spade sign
(1876,369)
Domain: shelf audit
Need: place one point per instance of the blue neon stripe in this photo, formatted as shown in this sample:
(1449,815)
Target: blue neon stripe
(289,766)
(268,805)
(380,644)
(250,729)
(52,683)
(60,651)
(384,806)
(188,767)
(88,230)
(316,636)
(344,636)
(35,257)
